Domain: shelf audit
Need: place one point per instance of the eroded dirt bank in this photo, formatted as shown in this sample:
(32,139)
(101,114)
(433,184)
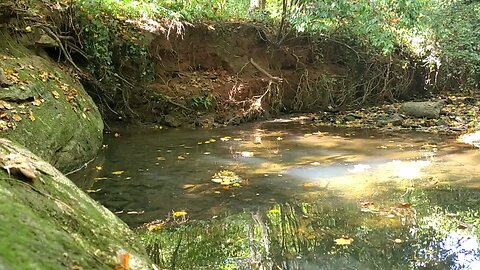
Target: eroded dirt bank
(230,73)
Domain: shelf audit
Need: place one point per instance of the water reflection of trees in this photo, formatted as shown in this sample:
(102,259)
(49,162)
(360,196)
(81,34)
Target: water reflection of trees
(300,235)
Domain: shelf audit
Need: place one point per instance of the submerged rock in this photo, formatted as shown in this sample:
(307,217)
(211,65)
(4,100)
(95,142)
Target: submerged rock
(384,120)
(46,222)
(45,109)
(427,109)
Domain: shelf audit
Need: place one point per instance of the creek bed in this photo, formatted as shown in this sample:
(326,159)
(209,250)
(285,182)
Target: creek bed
(283,194)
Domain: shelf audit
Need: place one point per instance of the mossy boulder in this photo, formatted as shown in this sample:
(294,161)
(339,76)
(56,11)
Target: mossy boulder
(49,223)
(45,108)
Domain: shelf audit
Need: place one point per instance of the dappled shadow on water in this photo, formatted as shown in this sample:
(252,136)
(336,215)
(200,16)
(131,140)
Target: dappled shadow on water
(279,196)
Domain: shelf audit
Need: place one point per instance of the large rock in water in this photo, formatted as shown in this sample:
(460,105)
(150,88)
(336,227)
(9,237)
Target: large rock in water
(428,109)
(49,223)
(45,109)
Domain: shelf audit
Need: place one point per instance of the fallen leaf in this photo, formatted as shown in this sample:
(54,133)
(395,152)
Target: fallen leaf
(93,190)
(55,94)
(180,157)
(31,116)
(28,29)
(246,154)
(179,213)
(188,186)
(16,117)
(398,241)
(161,158)
(117,172)
(5,105)
(20,165)
(98,168)
(343,241)
(155,227)
(124,259)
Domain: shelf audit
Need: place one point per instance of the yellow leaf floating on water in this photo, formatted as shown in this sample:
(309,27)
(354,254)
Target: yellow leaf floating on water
(28,29)
(180,157)
(100,178)
(98,168)
(343,241)
(225,139)
(212,140)
(179,213)
(246,154)
(161,158)
(117,172)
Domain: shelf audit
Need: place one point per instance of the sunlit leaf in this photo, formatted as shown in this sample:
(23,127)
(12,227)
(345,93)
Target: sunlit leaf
(161,158)
(117,172)
(188,186)
(180,157)
(55,94)
(246,154)
(93,190)
(398,241)
(155,227)
(179,213)
(98,168)
(16,117)
(343,241)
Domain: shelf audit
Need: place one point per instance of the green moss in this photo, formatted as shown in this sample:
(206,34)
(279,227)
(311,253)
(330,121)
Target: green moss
(66,128)
(51,224)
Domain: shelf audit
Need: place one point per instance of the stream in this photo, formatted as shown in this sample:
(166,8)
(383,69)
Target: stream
(284,194)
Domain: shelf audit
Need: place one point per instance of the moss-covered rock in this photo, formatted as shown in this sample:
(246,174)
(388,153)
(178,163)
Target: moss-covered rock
(49,223)
(45,109)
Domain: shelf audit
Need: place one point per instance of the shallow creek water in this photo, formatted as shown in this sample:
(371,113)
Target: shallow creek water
(302,197)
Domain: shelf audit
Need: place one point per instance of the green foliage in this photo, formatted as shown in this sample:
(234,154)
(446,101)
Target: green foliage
(204,101)
(458,44)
